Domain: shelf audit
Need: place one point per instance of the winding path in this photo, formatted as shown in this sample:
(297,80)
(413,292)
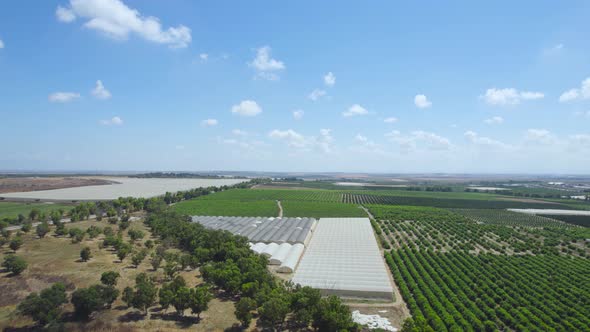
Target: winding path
(280,209)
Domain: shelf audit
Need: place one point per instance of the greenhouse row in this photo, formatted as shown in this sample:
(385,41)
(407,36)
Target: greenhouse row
(262,229)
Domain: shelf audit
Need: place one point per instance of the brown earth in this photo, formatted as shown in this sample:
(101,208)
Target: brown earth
(22,184)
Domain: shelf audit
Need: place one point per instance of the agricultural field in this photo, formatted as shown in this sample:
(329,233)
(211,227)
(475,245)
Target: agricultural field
(12,209)
(458,274)
(321,209)
(570,219)
(509,218)
(227,207)
(276,194)
(437,200)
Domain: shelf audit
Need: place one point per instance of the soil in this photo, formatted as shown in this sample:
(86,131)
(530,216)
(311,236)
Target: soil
(23,184)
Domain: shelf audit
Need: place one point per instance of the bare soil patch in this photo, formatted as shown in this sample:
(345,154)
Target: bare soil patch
(23,184)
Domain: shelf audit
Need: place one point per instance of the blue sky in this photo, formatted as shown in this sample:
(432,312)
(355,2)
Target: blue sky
(464,86)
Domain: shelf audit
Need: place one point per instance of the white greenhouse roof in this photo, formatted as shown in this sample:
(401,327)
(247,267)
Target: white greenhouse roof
(343,258)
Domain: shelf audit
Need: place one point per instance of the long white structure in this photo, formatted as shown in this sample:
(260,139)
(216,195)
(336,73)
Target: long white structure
(290,262)
(343,259)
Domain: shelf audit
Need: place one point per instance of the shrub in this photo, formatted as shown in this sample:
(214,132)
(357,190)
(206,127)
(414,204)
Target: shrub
(14,264)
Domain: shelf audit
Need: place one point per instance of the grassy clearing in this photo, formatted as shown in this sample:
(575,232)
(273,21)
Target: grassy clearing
(209,207)
(55,259)
(12,209)
(321,209)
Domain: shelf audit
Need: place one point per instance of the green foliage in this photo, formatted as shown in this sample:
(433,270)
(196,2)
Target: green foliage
(16,243)
(124,249)
(138,257)
(199,298)
(85,254)
(18,211)
(26,227)
(42,229)
(14,264)
(274,311)
(334,316)
(109,278)
(320,209)
(145,292)
(227,208)
(244,308)
(44,308)
(91,299)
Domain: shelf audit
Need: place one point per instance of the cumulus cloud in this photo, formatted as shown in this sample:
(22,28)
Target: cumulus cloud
(63,97)
(509,96)
(114,121)
(204,57)
(417,139)
(316,94)
(474,138)
(583,92)
(209,122)
(390,120)
(298,114)
(494,120)
(100,92)
(329,79)
(355,110)
(421,101)
(323,142)
(246,108)
(540,136)
(115,19)
(1,44)
(265,65)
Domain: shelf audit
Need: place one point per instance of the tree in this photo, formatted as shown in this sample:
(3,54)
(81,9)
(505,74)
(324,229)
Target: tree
(16,243)
(169,290)
(109,278)
(91,299)
(332,315)
(181,300)
(127,296)
(156,261)
(304,304)
(244,308)
(14,264)
(274,311)
(34,213)
(85,254)
(199,299)
(135,234)
(56,216)
(26,227)
(145,292)
(138,258)
(44,308)
(123,251)
(42,229)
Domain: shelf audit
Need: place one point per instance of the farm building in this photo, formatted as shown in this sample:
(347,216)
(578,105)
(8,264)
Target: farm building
(343,259)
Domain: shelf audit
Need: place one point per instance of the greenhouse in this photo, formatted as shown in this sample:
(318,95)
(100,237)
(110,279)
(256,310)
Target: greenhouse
(343,259)
(260,229)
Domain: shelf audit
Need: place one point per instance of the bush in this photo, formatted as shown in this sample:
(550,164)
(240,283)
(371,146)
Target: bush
(91,299)
(109,278)
(44,308)
(85,254)
(14,264)
(42,229)
(16,243)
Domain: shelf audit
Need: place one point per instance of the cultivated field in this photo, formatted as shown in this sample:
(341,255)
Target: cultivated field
(223,207)
(12,210)
(124,187)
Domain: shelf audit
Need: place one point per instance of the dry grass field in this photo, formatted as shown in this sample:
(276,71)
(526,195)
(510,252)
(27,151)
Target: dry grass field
(56,259)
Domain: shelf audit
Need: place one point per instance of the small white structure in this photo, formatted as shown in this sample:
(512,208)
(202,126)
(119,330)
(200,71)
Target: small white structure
(280,255)
(372,321)
(258,247)
(292,259)
(270,249)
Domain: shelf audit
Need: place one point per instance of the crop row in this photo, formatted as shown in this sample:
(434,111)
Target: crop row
(444,202)
(509,218)
(277,194)
(462,292)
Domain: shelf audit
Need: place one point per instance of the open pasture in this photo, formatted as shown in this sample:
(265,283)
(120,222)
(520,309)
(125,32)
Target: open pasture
(13,209)
(223,207)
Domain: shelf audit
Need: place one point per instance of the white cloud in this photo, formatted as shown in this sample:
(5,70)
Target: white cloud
(428,140)
(239,132)
(390,120)
(246,108)
(474,138)
(583,92)
(100,91)
(355,110)
(209,122)
(63,97)
(580,141)
(316,94)
(494,120)
(298,114)
(421,101)
(509,96)
(540,136)
(114,121)
(323,142)
(330,79)
(114,19)
(204,57)
(265,65)
(1,44)
(64,15)
(582,114)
